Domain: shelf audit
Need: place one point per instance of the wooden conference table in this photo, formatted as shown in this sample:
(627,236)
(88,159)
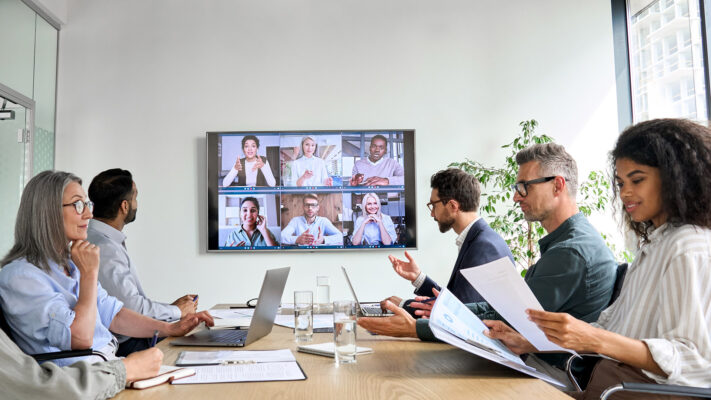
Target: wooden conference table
(398,369)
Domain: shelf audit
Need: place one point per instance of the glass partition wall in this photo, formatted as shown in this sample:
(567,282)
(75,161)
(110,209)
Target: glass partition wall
(28,71)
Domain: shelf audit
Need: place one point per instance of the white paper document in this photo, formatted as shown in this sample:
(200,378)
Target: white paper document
(506,291)
(452,322)
(320,321)
(191,358)
(328,349)
(228,323)
(261,372)
(225,313)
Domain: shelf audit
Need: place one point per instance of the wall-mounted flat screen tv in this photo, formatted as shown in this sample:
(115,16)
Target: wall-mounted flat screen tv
(311,190)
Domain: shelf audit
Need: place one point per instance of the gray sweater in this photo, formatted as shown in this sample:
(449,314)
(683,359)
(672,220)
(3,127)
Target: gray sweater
(21,377)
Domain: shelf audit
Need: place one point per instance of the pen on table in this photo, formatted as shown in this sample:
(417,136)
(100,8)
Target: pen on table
(229,362)
(427,301)
(155,339)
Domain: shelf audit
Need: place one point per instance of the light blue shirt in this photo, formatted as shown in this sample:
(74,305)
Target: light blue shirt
(371,232)
(239,235)
(39,307)
(298,225)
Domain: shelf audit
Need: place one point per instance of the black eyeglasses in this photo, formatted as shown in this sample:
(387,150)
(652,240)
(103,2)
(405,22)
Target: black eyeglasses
(79,206)
(431,204)
(522,187)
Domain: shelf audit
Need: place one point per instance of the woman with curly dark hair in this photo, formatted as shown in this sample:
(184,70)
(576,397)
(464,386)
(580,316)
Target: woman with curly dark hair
(659,328)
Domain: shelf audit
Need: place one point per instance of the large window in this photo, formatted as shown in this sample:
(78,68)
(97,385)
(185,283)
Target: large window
(664,57)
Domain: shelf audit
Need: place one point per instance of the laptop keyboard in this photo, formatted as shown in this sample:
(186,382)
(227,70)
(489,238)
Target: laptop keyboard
(229,335)
(373,309)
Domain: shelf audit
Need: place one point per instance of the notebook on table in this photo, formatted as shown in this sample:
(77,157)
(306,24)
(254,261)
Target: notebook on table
(260,325)
(167,373)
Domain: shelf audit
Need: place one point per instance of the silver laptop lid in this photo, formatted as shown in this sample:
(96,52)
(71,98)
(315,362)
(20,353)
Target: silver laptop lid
(350,286)
(268,304)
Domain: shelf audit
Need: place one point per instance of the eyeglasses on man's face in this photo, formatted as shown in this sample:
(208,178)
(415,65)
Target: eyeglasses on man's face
(310,205)
(79,206)
(431,204)
(522,187)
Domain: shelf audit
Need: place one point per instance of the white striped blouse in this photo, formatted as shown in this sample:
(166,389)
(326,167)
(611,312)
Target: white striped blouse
(666,302)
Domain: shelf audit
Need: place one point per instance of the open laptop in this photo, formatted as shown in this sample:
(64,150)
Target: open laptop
(365,309)
(262,320)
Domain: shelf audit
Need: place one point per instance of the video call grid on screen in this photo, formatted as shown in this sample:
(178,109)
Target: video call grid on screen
(358,185)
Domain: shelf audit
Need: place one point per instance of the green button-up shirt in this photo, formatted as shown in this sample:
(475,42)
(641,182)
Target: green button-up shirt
(575,274)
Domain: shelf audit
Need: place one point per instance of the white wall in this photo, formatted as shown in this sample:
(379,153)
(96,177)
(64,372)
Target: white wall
(140,82)
(56,8)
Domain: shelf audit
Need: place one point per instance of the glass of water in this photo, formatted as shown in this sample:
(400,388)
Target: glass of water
(323,294)
(344,331)
(303,315)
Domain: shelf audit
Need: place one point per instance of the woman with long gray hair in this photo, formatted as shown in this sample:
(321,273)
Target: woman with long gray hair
(49,288)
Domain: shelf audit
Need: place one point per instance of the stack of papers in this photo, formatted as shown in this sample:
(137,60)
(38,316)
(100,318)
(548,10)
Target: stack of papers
(232,318)
(278,371)
(328,349)
(320,321)
(192,358)
(452,322)
(504,289)
(240,366)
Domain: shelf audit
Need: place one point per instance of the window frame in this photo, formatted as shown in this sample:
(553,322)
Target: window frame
(620,37)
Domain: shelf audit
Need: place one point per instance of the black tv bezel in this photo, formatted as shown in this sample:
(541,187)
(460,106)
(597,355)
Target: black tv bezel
(212,190)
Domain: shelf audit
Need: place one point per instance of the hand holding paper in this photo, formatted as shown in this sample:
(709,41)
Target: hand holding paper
(512,339)
(567,331)
(508,294)
(453,323)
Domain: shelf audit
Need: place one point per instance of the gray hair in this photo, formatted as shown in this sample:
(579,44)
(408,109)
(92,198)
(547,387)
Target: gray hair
(39,228)
(554,160)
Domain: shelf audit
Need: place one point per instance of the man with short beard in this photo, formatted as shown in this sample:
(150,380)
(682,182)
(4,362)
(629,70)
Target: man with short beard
(114,195)
(576,271)
(454,204)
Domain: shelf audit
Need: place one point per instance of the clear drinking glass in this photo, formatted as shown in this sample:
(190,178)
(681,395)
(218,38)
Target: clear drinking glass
(303,315)
(323,295)
(344,331)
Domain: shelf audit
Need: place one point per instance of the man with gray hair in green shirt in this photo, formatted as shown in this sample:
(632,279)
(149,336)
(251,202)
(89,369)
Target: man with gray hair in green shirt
(576,271)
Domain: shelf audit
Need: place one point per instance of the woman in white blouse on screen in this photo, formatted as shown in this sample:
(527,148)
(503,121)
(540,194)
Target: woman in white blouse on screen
(373,227)
(252,170)
(308,169)
(659,328)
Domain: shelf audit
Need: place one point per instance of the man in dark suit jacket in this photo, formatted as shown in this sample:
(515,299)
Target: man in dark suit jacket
(454,203)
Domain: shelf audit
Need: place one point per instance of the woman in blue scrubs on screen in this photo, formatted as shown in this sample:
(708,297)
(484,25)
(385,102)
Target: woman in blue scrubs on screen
(308,169)
(253,231)
(373,227)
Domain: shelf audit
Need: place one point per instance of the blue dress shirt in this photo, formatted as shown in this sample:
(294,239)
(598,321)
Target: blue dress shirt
(371,232)
(298,225)
(39,307)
